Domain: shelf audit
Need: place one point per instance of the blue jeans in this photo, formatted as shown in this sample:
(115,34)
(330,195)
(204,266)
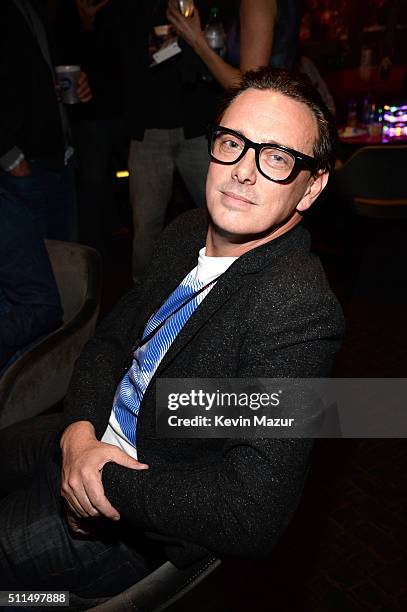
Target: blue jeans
(30,305)
(51,196)
(37,549)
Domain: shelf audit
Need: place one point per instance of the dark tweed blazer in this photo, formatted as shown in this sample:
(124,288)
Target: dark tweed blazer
(271,314)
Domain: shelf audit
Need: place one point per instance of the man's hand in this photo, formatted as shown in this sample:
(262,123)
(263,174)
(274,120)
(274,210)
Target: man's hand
(188,28)
(75,524)
(83,458)
(82,89)
(23,169)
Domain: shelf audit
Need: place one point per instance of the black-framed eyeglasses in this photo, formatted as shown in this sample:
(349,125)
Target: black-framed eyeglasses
(275,162)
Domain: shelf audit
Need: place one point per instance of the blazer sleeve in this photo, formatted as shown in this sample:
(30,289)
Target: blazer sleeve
(239,506)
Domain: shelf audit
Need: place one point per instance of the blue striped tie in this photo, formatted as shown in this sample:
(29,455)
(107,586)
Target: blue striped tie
(147,358)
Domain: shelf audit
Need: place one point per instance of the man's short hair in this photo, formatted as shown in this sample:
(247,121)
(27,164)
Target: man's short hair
(296,87)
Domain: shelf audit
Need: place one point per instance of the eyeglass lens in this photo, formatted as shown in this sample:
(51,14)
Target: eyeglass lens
(274,162)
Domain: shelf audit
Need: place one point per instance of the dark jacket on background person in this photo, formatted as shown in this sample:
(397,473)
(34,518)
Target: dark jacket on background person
(100,51)
(272,315)
(178,92)
(29,300)
(29,114)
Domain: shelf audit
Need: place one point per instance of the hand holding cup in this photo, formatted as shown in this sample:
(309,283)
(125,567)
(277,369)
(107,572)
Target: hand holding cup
(72,83)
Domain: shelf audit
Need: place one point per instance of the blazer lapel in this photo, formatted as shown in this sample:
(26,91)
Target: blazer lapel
(181,256)
(221,293)
(166,280)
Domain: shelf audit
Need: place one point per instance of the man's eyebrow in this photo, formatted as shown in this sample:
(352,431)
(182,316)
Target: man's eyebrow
(270,141)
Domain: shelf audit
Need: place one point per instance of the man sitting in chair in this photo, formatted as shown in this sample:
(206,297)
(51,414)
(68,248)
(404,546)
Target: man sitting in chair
(234,294)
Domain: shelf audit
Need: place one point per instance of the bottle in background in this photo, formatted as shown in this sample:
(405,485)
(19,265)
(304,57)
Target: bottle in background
(366,64)
(352,118)
(367,110)
(215,33)
(376,122)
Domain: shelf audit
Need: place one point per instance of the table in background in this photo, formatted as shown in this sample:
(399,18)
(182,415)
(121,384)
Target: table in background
(348,146)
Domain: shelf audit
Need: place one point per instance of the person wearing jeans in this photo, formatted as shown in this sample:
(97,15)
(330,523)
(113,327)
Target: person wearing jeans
(50,194)
(154,161)
(35,154)
(178,100)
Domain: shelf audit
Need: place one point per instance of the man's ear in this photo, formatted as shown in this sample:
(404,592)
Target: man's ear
(315,186)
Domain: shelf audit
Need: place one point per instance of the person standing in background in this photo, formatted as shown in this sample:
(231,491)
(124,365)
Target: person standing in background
(35,144)
(286,33)
(265,32)
(253,46)
(179,100)
(98,127)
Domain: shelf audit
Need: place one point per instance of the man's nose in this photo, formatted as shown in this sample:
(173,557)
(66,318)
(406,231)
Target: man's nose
(245,170)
